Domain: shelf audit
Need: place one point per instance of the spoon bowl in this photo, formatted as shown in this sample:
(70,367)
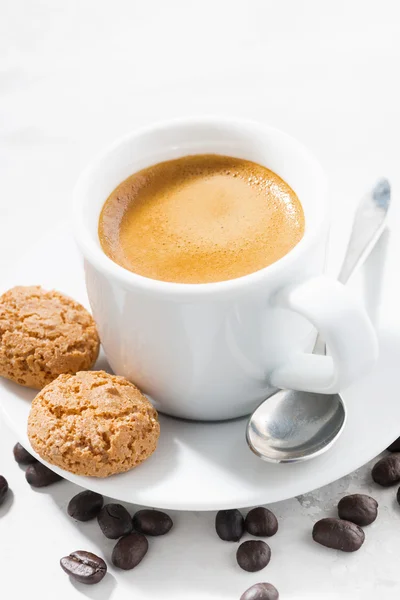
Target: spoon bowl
(292,426)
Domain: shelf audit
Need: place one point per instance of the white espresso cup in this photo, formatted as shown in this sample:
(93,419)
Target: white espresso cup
(215,350)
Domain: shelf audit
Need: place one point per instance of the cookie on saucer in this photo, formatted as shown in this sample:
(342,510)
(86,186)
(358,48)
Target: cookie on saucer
(42,334)
(93,423)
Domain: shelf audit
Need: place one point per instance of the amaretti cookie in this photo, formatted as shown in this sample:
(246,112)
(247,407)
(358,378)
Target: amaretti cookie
(43,334)
(93,423)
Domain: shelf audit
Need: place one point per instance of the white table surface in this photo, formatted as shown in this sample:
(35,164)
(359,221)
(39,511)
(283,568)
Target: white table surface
(76,74)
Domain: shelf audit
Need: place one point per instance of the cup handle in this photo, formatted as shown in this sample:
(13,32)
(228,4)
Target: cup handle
(346,329)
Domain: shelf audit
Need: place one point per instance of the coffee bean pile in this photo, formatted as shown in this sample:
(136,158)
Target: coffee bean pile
(116,524)
(252,555)
(36,474)
(358,510)
(344,533)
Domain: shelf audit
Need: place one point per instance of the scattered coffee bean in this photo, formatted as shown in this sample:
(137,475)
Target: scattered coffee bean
(85,505)
(3,489)
(253,555)
(261,522)
(394,446)
(398,495)
(37,475)
(387,470)
(22,456)
(84,567)
(129,551)
(114,521)
(358,508)
(229,525)
(261,591)
(152,522)
(338,534)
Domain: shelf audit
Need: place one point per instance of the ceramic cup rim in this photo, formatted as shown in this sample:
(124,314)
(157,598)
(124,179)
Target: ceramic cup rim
(94,254)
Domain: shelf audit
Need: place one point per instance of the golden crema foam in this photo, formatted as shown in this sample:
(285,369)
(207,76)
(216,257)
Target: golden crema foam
(200,219)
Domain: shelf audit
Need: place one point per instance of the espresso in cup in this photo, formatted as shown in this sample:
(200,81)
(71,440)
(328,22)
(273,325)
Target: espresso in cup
(200,219)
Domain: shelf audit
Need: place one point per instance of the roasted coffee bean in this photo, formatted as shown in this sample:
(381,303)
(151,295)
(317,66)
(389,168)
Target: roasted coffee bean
(394,446)
(22,456)
(3,489)
(85,505)
(152,522)
(37,475)
(398,495)
(229,525)
(338,534)
(129,551)
(85,567)
(261,591)
(261,522)
(114,521)
(253,555)
(387,470)
(358,508)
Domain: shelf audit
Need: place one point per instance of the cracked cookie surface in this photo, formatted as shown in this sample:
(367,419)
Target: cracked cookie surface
(43,334)
(93,423)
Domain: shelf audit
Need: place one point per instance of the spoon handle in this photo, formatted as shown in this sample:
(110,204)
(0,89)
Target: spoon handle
(369,222)
(368,225)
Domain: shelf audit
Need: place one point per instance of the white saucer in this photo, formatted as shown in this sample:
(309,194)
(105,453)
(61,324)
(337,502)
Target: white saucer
(208,466)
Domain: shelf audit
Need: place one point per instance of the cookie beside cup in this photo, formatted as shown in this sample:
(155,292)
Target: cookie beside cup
(93,424)
(43,334)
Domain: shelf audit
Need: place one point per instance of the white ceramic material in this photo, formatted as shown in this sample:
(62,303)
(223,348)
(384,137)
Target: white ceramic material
(208,466)
(214,351)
